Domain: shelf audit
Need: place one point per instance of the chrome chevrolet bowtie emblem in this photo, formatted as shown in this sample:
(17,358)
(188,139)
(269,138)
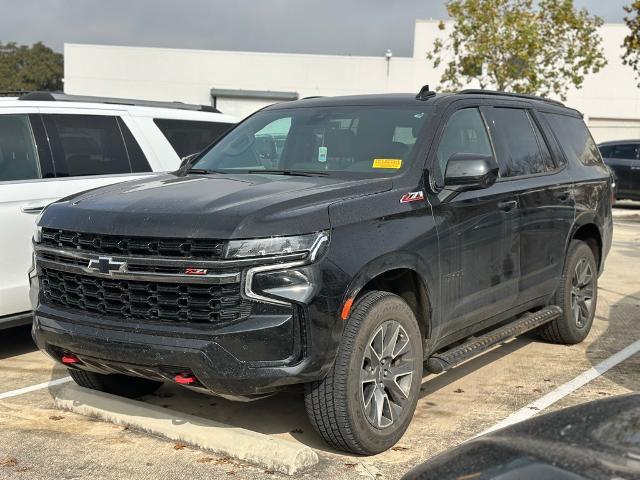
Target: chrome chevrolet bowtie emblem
(106,265)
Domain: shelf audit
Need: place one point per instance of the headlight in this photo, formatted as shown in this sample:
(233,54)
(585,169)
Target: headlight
(295,285)
(280,283)
(37,233)
(261,247)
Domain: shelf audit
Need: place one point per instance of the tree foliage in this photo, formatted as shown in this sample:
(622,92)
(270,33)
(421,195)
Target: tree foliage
(512,45)
(631,55)
(24,68)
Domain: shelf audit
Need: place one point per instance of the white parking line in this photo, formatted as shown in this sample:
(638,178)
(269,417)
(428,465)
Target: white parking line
(563,390)
(20,391)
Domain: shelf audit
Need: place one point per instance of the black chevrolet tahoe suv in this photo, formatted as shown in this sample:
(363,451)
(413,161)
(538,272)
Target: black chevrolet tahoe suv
(341,243)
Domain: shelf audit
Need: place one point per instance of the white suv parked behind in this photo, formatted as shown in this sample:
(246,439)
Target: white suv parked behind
(54,145)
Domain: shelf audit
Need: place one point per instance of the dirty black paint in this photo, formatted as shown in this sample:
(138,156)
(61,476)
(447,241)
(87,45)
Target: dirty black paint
(476,262)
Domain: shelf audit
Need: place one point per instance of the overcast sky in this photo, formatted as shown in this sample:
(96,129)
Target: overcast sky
(347,27)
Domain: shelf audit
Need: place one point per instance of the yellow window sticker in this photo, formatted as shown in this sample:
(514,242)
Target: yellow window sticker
(394,163)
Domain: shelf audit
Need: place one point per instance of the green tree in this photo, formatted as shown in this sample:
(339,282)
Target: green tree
(512,45)
(631,55)
(24,68)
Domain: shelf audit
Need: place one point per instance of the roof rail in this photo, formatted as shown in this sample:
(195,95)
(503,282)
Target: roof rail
(477,91)
(12,93)
(63,97)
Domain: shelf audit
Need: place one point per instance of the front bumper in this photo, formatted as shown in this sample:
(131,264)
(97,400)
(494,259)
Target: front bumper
(256,356)
(273,346)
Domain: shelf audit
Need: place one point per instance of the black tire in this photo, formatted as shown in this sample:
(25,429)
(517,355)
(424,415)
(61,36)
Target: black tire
(335,405)
(566,329)
(116,384)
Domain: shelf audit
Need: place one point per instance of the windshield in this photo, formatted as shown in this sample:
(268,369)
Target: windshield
(363,140)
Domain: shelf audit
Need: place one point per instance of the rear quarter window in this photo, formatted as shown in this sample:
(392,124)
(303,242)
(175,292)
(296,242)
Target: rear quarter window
(574,139)
(189,136)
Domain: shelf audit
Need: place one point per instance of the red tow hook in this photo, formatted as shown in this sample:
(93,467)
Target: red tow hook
(185,378)
(69,359)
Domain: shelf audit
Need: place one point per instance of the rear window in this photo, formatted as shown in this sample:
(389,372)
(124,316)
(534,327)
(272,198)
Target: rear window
(87,145)
(521,149)
(188,136)
(574,138)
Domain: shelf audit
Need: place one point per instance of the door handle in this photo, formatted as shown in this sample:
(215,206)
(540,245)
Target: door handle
(32,208)
(563,196)
(508,205)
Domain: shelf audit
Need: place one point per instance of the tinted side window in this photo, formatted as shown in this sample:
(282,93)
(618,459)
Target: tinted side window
(625,150)
(606,150)
(87,145)
(544,148)
(18,155)
(519,150)
(575,139)
(465,133)
(137,158)
(187,136)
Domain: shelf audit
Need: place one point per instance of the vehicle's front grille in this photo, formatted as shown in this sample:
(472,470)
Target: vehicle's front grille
(145,301)
(135,246)
(131,266)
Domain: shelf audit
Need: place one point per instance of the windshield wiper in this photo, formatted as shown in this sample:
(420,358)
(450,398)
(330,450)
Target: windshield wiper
(297,173)
(203,171)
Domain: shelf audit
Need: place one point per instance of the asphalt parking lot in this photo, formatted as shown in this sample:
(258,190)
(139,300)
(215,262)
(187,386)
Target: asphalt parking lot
(39,442)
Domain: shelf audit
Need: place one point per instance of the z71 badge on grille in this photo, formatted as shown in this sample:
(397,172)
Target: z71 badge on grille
(106,265)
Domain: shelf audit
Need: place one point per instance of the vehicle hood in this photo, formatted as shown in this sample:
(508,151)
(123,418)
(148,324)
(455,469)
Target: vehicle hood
(599,439)
(208,206)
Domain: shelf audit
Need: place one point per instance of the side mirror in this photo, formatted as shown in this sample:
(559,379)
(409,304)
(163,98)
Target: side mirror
(186,161)
(470,171)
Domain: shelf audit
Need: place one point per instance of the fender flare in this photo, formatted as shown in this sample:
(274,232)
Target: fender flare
(395,261)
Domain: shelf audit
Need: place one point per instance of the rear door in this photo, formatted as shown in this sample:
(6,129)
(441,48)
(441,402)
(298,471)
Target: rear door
(530,162)
(477,232)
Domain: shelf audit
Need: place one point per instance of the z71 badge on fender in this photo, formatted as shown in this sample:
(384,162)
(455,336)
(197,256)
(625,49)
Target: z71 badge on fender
(412,197)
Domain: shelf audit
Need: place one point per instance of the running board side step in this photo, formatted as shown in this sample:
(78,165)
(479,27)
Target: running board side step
(442,361)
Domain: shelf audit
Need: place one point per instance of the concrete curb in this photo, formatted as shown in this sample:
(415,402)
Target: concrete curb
(245,445)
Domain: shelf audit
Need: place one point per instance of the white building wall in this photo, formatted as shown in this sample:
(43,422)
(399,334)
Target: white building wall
(609,99)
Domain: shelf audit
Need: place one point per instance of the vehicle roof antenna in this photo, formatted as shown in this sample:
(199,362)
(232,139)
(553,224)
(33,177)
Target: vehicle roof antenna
(425,93)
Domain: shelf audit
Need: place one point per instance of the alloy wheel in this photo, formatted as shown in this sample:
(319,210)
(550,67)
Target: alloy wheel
(582,292)
(386,375)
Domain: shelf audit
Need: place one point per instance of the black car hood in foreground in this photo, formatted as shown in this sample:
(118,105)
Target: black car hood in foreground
(595,440)
(208,206)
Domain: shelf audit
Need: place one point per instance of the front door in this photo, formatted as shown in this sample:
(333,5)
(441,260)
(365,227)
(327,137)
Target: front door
(477,233)
(88,152)
(20,174)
